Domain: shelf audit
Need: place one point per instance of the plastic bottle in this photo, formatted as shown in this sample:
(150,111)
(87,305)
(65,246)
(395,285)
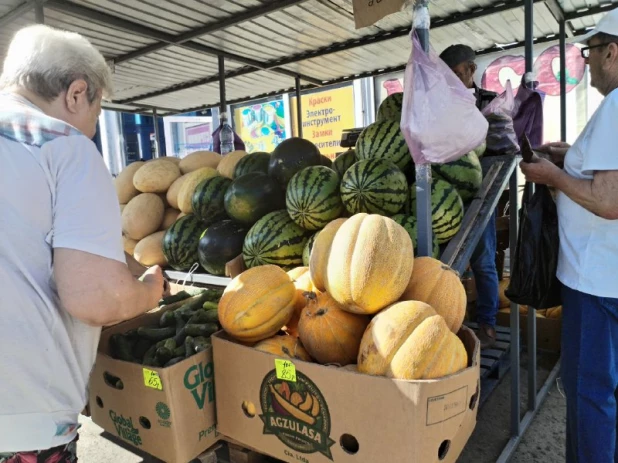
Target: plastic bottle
(226,136)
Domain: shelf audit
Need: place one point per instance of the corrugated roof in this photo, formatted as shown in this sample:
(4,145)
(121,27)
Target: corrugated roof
(165,53)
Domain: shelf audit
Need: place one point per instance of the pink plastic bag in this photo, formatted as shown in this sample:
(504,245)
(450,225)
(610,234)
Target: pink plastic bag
(439,120)
(501,136)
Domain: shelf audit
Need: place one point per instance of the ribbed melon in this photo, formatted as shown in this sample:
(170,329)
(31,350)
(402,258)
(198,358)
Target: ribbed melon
(384,140)
(374,186)
(308,248)
(447,209)
(254,162)
(181,241)
(208,199)
(344,161)
(465,174)
(252,196)
(275,239)
(409,223)
(312,197)
(391,108)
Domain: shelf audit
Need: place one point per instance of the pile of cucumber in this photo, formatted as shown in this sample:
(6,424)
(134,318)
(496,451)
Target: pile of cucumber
(184,329)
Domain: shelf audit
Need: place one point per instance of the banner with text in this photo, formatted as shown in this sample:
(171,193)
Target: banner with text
(261,126)
(325,115)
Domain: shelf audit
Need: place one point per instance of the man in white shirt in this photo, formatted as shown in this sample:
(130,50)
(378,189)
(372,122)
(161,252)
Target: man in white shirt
(588,261)
(63,272)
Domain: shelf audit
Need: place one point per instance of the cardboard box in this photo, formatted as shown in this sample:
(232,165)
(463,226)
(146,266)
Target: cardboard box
(369,12)
(548,330)
(358,418)
(174,424)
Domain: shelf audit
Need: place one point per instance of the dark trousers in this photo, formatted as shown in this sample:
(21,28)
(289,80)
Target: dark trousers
(483,263)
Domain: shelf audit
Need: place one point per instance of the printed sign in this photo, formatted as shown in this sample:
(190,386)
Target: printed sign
(261,126)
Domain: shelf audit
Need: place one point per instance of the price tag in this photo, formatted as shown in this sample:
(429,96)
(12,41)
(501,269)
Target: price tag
(286,370)
(152,379)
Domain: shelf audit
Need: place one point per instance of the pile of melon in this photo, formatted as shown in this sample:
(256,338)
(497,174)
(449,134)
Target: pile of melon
(363,303)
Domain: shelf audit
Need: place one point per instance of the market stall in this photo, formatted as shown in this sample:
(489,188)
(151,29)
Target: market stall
(180,57)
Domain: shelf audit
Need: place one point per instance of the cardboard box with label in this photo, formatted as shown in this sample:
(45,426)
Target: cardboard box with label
(548,330)
(167,412)
(342,416)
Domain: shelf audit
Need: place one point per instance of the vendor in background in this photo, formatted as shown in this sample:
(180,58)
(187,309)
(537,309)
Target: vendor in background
(63,273)
(460,58)
(588,261)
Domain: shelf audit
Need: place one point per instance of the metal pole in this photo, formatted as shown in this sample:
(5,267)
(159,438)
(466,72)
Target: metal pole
(299,109)
(422,23)
(39,13)
(532,398)
(222,97)
(563,82)
(155,120)
(515,372)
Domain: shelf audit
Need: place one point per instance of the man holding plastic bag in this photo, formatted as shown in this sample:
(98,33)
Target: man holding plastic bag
(460,58)
(588,258)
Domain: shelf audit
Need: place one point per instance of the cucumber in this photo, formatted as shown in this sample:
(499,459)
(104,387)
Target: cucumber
(164,355)
(149,357)
(140,349)
(179,351)
(167,319)
(121,348)
(209,305)
(205,329)
(170,344)
(202,343)
(204,316)
(189,346)
(174,361)
(180,296)
(156,334)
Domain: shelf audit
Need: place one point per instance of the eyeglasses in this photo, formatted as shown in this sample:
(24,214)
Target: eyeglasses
(586,50)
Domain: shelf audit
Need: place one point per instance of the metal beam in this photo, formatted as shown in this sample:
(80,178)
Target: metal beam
(499,7)
(154,34)
(16,12)
(299,109)
(582,13)
(234,20)
(563,83)
(558,13)
(39,12)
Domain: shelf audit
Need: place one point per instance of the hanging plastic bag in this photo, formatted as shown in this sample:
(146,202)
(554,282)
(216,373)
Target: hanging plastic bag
(439,120)
(534,282)
(501,136)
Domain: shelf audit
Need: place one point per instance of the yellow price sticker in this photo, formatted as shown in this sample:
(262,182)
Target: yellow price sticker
(152,379)
(286,370)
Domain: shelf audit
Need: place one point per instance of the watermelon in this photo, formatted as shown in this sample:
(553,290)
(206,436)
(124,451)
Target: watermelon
(447,209)
(252,196)
(308,248)
(326,161)
(344,161)
(254,162)
(374,186)
(181,240)
(384,140)
(291,156)
(208,199)
(480,151)
(221,243)
(391,108)
(465,174)
(275,239)
(409,223)
(312,197)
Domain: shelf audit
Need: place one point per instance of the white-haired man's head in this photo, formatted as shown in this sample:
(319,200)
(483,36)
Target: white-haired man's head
(59,71)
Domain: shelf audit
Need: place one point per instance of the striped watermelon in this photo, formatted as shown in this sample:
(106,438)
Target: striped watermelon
(447,209)
(208,199)
(275,239)
(409,223)
(312,197)
(181,240)
(344,161)
(480,151)
(375,186)
(308,248)
(384,140)
(465,174)
(391,108)
(254,162)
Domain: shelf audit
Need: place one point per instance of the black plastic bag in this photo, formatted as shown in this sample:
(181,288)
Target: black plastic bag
(533,281)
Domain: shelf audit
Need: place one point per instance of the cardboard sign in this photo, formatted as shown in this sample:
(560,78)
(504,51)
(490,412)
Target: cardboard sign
(369,12)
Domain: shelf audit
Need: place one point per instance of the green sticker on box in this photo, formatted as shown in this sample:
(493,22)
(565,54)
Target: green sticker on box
(286,370)
(152,379)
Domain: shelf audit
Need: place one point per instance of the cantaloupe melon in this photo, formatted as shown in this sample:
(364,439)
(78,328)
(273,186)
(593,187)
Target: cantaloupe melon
(228,163)
(142,216)
(185,194)
(128,244)
(199,159)
(156,177)
(125,190)
(149,250)
(170,216)
(172,193)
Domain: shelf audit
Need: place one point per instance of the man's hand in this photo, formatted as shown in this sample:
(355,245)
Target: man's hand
(556,150)
(541,171)
(153,277)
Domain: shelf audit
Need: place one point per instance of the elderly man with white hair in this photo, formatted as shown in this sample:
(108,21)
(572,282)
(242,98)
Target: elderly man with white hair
(63,273)
(588,260)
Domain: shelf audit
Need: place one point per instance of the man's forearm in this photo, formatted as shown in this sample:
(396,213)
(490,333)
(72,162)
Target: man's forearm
(588,194)
(136,269)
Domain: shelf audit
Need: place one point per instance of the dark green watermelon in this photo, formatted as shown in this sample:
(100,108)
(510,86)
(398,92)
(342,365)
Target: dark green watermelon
(326,161)
(409,223)
(208,199)
(292,156)
(391,108)
(275,239)
(465,174)
(254,162)
(181,240)
(344,161)
(252,196)
(221,243)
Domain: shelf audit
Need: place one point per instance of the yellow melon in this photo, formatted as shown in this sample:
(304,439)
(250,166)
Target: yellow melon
(156,177)
(199,159)
(284,346)
(170,216)
(318,262)
(142,216)
(149,250)
(504,301)
(125,189)
(172,192)
(128,244)
(185,194)
(228,163)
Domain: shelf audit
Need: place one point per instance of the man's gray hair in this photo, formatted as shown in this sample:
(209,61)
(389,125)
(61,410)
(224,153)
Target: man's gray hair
(45,61)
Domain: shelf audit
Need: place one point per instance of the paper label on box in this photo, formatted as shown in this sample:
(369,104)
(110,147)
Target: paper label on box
(152,379)
(444,407)
(286,370)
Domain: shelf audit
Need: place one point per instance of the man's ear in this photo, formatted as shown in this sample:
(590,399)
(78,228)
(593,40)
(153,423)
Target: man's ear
(612,54)
(473,67)
(76,95)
